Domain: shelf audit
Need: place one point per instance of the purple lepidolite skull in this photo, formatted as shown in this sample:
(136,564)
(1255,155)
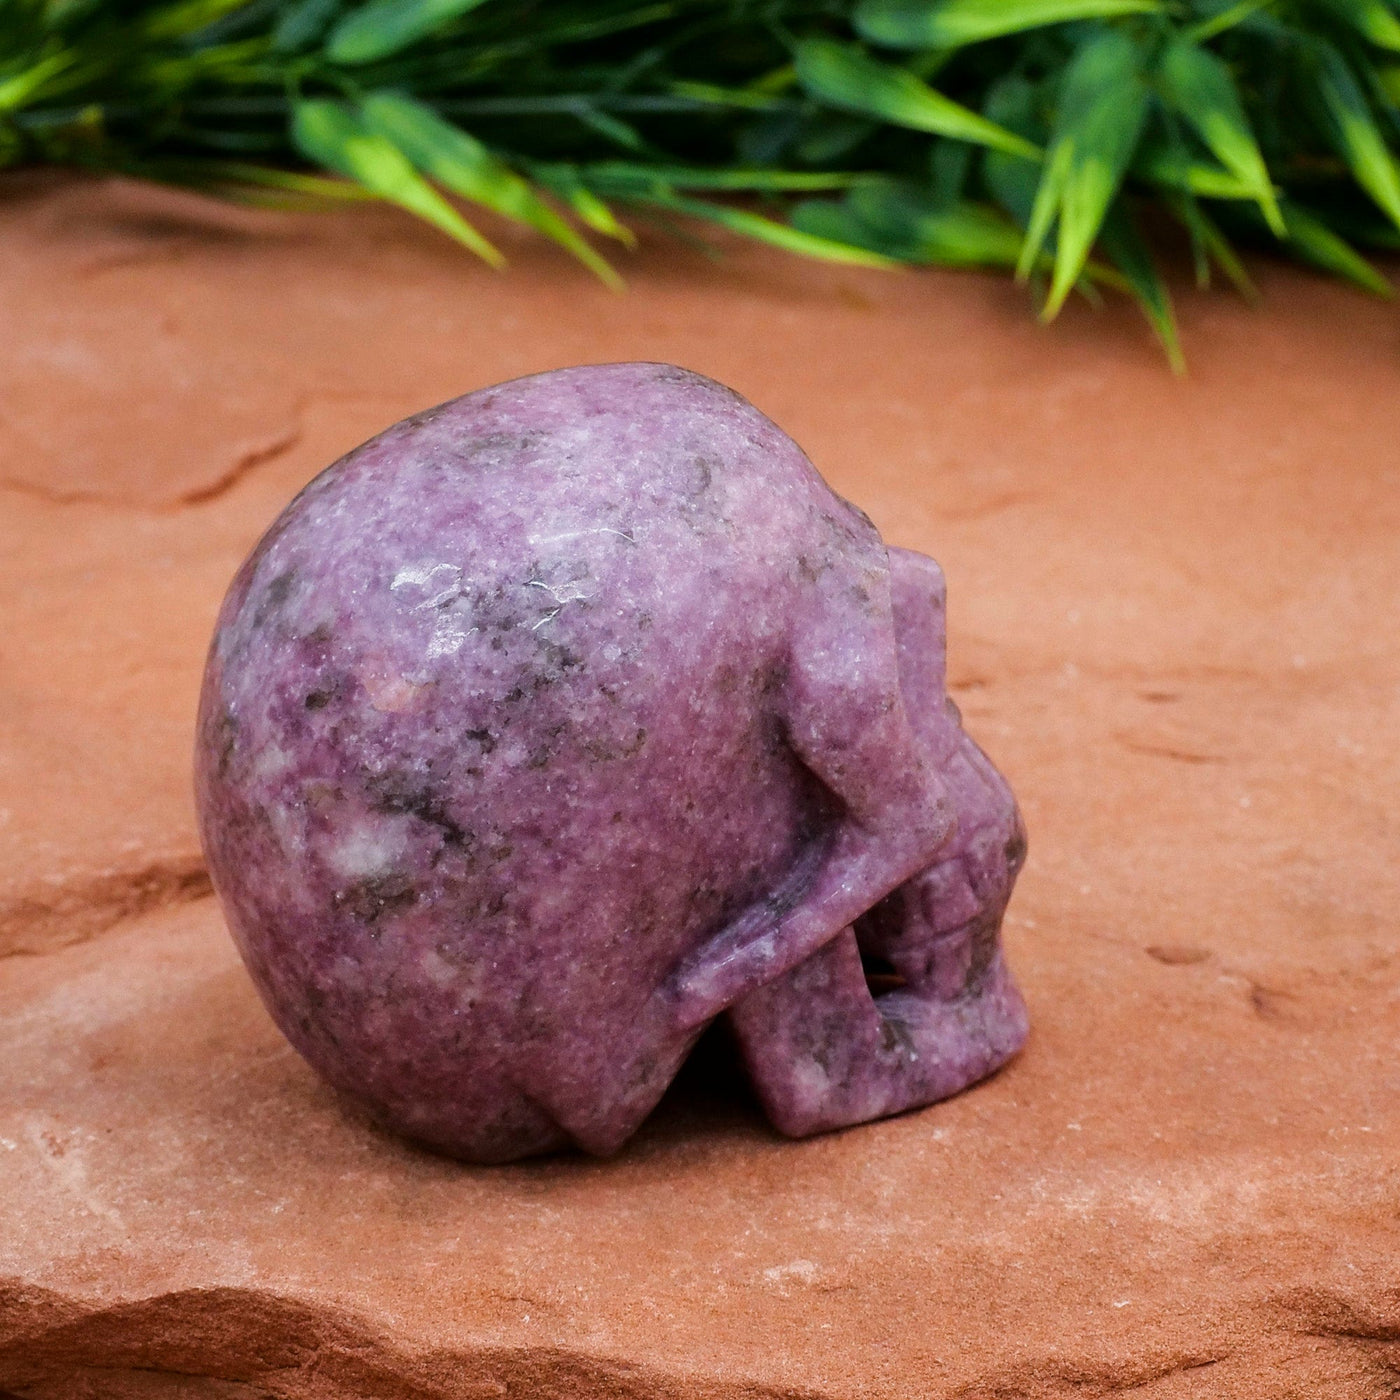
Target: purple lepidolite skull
(558,720)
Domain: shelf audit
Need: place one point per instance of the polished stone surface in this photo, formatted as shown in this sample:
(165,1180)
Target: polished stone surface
(563,717)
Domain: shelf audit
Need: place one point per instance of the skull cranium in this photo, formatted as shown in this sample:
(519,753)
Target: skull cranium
(555,722)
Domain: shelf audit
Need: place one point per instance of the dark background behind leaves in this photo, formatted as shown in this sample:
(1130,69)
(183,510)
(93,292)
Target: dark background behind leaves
(1059,139)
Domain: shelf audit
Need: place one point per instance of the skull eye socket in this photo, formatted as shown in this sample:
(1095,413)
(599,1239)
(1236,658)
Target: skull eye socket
(880,974)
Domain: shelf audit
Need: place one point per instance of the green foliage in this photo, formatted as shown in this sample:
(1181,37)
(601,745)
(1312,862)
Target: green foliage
(844,77)
(342,139)
(385,27)
(1198,87)
(950,24)
(1101,110)
(1061,139)
(460,163)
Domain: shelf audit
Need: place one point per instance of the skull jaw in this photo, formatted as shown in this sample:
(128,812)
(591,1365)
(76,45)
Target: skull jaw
(940,932)
(825,1050)
(824,1054)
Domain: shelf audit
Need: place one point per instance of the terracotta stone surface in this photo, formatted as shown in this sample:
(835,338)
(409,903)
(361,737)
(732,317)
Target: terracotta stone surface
(1172,626)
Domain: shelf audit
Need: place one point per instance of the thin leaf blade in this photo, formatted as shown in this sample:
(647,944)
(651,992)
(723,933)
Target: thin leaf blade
(385,27)
(1372,19)
(567,183)
(843,76)
(785,236)
(1103,107)
(1209,245)
(1010,181)
(1125,249)
(1317,244)
(926,230)
(462,164)
(21,87)
(302,23)
(1199,85)
(835,222)
(185,18)
(1175,170)
(1354,131)
(333,136)
(950,24)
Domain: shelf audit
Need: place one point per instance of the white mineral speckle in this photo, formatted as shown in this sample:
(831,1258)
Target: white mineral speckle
(362,850)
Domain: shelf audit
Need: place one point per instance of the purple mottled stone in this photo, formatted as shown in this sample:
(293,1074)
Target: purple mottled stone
(560,719)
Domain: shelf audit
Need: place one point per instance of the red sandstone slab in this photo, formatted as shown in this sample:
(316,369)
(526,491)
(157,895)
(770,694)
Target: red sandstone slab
(1087,504)
(1178,1176)
(1172,627)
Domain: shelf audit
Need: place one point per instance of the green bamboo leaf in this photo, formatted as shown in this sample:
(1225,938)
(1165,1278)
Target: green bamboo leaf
(611,128)
(1209,245)
(246,182)
(1175,170)
(270,196)
(1103,105)
(831,136)
(751,225)
(1372,19)
(623,176)
(949,24)
(460,163)
(220,62)
(1126,251)
(330,134)
(185,90)
(566,182)
(1049,195)
(302,23)
(835,222)
(966,235)
(1317,244)
(594,213)
(1200,87)
(715,95)
(1224,19)
(916,227)
(1223,254)
(1200,257)
(185,17)
(15,91)
(384,27)
(949,169)
(841,75)
(1011,181)
(233,173)
(1354,132)
(960,234)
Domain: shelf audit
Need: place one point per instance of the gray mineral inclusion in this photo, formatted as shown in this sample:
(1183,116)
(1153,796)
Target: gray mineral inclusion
(561,719)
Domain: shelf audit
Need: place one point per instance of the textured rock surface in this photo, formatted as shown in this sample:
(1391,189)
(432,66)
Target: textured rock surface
(562,717)
(1172,626)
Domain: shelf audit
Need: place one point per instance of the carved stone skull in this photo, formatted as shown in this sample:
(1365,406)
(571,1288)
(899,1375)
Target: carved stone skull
(559,720)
